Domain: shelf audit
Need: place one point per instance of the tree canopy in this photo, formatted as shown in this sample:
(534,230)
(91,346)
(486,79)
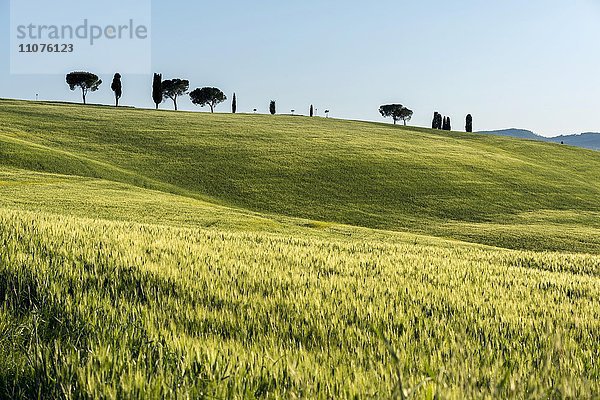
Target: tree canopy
(208,96)
(173,88)
(397,112)
(86,81)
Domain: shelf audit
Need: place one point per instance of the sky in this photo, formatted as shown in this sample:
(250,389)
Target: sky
(511,64)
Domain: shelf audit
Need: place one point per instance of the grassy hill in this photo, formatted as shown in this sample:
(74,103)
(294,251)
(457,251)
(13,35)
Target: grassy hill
(160,255)
(490,190)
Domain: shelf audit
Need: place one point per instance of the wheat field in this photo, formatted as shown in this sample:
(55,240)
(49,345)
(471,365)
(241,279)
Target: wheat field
(126,273)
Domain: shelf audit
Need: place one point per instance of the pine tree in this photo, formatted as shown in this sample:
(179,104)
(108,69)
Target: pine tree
(85,81)
(174,88)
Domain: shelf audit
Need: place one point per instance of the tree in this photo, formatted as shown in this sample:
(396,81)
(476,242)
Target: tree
(447,126)
(234,104)
(173,88)
(438,121)
(469,124)
(391,110)
(327,113)
(312,111)
(208,96)
(86,81)
(272,107)
(397,112)
(405,115)
(117,87)
(157,92)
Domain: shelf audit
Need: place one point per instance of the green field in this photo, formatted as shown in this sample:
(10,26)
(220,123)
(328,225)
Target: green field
(154,254)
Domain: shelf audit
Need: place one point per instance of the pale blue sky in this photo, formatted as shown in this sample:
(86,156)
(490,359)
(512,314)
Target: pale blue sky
(529,64)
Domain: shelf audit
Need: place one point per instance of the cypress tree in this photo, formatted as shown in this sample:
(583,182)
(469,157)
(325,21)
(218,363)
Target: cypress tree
(449,128)
(434,123)
(157,95)
(117,87)
(312,110)
(234,104)
(272,107)
(469,125)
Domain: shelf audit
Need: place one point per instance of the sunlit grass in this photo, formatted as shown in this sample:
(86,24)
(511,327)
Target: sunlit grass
(175,255)
(470,187)
(124,310)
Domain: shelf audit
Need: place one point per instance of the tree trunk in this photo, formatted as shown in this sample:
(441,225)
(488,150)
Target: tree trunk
(212,109)
(175,102)
(117,102)
(157,106)
(83,94)
(404,122)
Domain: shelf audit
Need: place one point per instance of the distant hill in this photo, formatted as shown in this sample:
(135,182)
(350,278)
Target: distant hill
(516,133)
(588,140)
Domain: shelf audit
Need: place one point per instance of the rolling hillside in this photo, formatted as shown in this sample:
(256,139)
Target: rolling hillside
(496,191)
(152,255)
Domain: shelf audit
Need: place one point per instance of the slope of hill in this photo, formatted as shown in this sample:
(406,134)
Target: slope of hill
(589,140)
(478,188)
(151,255)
